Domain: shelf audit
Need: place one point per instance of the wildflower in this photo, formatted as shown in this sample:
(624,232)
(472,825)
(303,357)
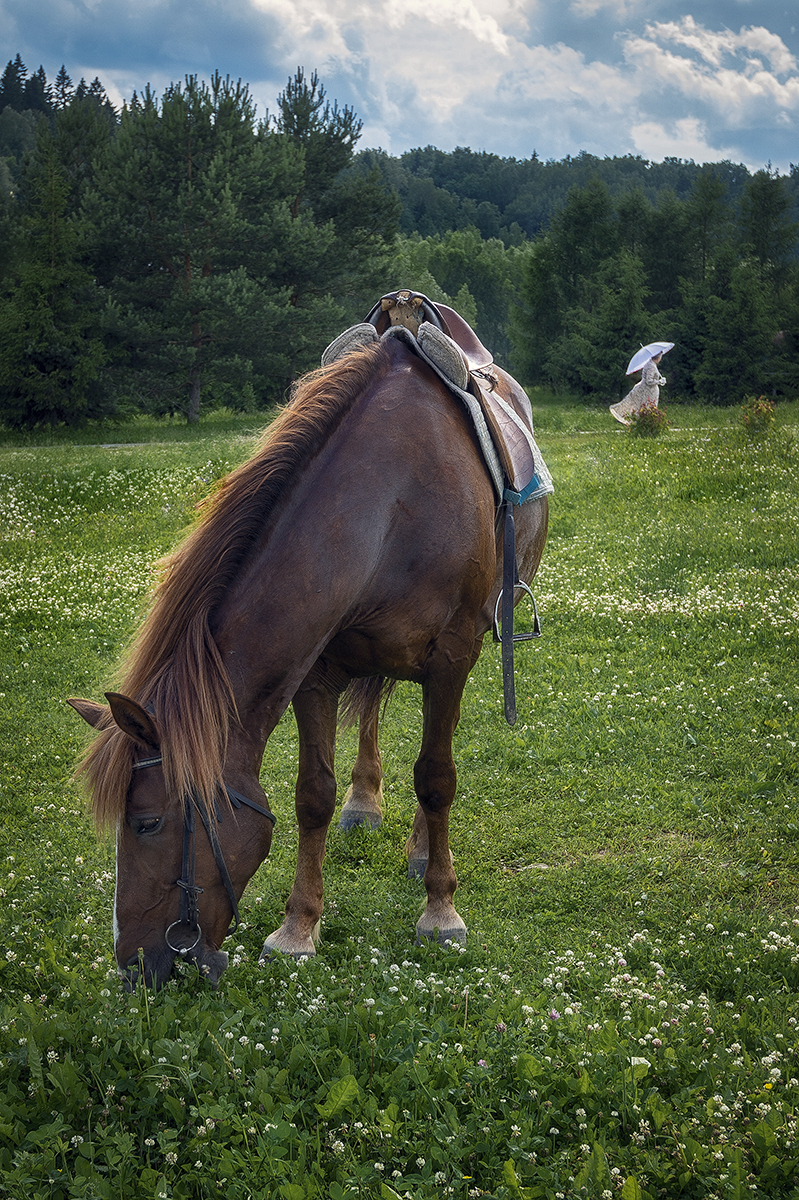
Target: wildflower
(554,1014)
(171,1158)
(481,1062)
(380,1166)
(420,1163)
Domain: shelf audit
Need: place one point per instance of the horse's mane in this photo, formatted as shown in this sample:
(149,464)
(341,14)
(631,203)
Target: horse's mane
(174,666)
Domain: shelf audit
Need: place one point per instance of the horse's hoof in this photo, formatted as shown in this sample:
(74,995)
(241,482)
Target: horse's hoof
(417,868)
(356,817)
(280,943)
(442,936)
(451,929)
(271,952)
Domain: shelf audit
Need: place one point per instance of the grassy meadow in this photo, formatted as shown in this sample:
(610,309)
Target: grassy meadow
(623,1020)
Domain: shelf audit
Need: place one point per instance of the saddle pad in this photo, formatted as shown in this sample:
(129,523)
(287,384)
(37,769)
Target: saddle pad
(351,339)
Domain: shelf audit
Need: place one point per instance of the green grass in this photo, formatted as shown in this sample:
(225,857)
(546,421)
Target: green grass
(624,1017)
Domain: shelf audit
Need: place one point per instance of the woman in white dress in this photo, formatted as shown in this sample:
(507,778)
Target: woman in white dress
(646,391)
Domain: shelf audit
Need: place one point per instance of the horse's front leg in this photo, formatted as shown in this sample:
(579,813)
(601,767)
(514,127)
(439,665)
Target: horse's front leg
(315,708)
(435,780)
(364,799)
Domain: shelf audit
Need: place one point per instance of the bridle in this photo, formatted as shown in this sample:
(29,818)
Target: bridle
(189,891)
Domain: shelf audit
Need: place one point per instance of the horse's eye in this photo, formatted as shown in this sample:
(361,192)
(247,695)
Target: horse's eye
(146,825)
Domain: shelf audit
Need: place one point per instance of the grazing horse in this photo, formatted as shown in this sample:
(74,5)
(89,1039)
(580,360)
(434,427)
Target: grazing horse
(358,545)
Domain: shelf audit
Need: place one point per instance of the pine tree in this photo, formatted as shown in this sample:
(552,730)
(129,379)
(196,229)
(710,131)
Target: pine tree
(62,89)
(12,85)
(767,228)
(38,95)
(50,359)
(708,218)
(739,333)
(196,243)
(363,213)
(327,135)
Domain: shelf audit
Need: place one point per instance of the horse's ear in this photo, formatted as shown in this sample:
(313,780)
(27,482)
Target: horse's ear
(133,720)
(93,714)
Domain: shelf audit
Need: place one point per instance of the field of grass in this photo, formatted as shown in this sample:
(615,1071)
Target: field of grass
(623,1020)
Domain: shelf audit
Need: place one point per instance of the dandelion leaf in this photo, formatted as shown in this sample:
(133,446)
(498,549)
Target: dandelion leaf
(388,1193)
(343,1093)
(528,1066)
(511,1181)
(292,1191)
(631,1189)
(595,1171)
(35,1065)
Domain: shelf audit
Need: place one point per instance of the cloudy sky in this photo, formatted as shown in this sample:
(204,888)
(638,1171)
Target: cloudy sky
(697,79)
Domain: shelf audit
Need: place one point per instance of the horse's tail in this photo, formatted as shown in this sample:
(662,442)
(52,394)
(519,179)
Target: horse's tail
(363,698)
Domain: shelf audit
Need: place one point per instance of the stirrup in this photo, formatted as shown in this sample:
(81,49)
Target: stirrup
(518,637)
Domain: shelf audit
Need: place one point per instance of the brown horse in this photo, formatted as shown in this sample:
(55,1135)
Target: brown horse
(358,544)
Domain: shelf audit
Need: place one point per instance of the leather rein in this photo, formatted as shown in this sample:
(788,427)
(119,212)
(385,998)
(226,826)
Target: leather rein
(189,891)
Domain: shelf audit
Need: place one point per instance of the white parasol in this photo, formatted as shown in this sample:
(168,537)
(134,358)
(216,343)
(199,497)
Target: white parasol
(642,356)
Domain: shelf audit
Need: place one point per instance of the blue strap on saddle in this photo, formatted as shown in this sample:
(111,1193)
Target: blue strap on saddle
(524,494)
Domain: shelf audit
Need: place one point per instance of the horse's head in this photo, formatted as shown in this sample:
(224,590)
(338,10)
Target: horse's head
(180,868)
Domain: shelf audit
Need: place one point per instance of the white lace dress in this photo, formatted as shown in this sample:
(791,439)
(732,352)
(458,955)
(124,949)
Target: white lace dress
(646,391)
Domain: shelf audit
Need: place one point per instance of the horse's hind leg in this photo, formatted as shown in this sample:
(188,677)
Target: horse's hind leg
(363,802)
(435,780)
(316,710)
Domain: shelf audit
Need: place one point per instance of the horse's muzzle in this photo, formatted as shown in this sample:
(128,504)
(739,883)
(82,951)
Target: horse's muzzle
(154,967)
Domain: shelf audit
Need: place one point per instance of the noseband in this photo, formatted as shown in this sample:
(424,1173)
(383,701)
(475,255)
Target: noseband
(189,891)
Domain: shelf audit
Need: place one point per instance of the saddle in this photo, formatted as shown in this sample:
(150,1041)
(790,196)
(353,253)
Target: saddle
(441,334)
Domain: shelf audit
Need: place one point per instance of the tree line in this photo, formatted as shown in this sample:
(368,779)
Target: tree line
(182,253)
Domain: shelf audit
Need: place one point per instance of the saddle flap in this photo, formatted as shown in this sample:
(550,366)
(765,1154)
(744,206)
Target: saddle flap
(510,429)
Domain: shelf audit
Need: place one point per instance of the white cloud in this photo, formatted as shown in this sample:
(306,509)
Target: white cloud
(686,138)
(713,46)
(615,8)
(742,95)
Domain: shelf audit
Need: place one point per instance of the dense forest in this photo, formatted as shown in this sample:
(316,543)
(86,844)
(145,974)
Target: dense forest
(182,253)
